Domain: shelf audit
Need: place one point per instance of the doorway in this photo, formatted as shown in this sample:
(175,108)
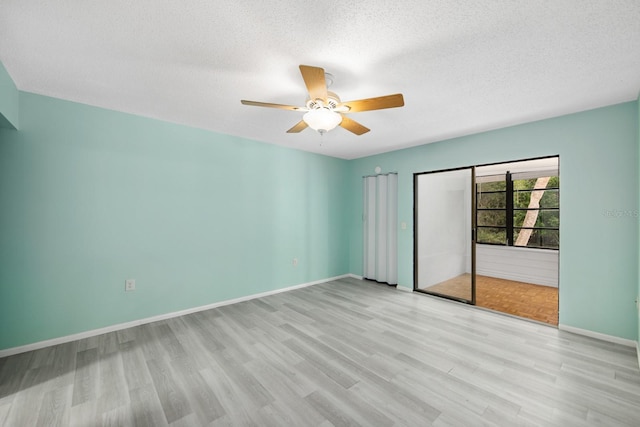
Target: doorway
(489,236)
(444,251)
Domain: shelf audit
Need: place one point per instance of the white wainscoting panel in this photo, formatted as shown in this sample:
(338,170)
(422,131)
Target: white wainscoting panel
(537,266)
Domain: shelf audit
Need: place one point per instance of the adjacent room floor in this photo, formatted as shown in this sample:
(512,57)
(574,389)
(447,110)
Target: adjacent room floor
(346,352)
(520,299)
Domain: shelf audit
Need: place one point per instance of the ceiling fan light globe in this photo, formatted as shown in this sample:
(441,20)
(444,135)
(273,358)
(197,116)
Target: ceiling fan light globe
(322,119)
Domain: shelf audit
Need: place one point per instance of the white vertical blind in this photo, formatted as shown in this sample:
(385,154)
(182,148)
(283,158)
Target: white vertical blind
(369,226)
(380,232)
(392,229)
(381,228)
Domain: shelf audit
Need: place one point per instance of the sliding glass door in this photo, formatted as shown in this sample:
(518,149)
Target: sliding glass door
(444,250)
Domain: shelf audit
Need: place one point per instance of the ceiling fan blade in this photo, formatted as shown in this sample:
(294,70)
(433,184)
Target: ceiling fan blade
(315,81)
(299,127)
(353,126)
(271,105)
(378,103)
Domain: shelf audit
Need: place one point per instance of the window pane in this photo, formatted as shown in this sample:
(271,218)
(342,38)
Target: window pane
(492,235)
(492,218)
(550,199)
(491,200)
(546,198)
(492,186)
(521,199)
(550,219)
(524,184)
(530,184)
(538,238)
(536,218)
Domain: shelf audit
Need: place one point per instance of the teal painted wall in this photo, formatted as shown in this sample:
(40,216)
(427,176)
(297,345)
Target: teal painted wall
(91,197)
(8,100)
(599,197)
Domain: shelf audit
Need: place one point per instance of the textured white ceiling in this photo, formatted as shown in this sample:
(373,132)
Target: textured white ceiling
(463,66)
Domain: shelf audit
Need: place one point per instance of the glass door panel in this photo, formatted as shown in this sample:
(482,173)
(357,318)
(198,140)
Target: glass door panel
(444,228)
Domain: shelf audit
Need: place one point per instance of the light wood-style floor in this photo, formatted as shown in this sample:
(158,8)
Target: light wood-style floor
(520,299)
(341,353)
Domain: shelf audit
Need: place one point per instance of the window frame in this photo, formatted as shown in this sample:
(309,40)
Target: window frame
(509,211)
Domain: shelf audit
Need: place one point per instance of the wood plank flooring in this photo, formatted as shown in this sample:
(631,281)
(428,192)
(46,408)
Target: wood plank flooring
(520,299)
(342,353)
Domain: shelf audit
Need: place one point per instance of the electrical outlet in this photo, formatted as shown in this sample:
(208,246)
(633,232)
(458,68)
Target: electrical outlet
(295,262)
(129,285)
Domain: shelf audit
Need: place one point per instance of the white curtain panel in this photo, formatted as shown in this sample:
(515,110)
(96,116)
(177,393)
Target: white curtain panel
(380,228)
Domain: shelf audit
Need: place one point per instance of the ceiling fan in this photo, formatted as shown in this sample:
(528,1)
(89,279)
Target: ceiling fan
(325,110)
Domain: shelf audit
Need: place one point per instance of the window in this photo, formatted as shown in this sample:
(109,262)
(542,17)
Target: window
(521,209)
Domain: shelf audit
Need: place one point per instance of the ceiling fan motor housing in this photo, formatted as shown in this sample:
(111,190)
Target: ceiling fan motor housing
(332,102)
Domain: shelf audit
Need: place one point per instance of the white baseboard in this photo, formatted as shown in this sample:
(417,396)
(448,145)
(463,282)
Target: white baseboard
(61,340)
(404,288)
(354,276)
(638,352)
(598,335)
